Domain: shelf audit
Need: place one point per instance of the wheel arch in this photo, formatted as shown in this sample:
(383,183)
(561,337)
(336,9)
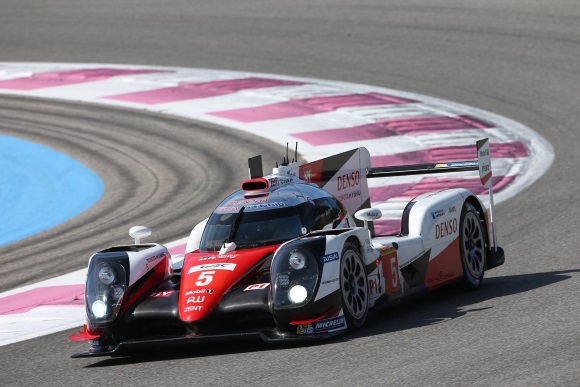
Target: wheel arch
(481,212)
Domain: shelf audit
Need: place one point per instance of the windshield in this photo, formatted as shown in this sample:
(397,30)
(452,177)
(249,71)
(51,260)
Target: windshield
(259,228)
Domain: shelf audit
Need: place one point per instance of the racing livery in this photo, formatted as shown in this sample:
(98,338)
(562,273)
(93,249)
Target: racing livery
(292,255)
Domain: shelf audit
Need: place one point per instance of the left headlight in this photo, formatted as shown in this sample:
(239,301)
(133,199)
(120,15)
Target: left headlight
(106,285)
(295,274)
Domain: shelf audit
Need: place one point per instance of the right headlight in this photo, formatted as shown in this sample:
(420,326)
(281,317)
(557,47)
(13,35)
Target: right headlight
(295,273)
(297,259)
(106,285)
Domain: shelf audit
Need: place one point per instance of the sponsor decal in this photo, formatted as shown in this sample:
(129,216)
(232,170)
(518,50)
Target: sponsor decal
(198,291)
(444,229)
(155,257)
(228,256)
(223,256)
(329,258)
(437,214)
(384,250)
(348,180)
(307,175)
(227,208)
(464,164)
(166,293)
(451,209)
(247,201)
(440,165)
(331,323)
(349,195)
(195,299)
(276,181)
(193,309)
(265,205)
(329,281)
(322,326)
(305,329)
(257,286)
(374,287)
(212,266)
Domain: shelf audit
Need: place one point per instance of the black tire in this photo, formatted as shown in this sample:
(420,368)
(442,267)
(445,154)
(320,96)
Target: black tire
(354,289)
(472,246)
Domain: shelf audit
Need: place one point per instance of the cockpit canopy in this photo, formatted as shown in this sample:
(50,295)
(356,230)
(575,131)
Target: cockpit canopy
(271,218)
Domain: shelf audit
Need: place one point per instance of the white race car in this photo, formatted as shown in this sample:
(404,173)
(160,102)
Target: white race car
(284,258)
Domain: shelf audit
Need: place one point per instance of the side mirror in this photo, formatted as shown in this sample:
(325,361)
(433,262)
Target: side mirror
(138,232)
(368,214)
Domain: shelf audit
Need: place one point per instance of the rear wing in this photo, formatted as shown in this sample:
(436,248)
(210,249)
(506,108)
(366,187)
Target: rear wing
(344,175)
(481,164)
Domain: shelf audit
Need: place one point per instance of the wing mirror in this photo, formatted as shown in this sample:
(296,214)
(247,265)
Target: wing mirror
(138,232)
(368,214)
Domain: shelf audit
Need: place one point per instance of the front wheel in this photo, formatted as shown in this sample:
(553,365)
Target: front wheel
(472,246)
(353,287)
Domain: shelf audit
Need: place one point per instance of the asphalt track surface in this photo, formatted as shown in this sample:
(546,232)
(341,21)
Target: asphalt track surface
(520,59)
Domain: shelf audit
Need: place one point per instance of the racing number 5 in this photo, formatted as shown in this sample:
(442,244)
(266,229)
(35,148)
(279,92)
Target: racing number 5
(394,273)
(205,278)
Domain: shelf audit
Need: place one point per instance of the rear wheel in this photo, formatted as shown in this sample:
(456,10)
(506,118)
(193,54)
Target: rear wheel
(472,246)
(353,287)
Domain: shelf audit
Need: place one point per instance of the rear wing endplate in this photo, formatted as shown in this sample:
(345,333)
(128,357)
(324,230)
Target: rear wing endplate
(482,164)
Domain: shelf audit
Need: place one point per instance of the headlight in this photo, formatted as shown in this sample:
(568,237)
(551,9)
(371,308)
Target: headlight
(295,272)
(106,285)
(297,259)
(106,275)
(99,309)
(297,294)
(117,292)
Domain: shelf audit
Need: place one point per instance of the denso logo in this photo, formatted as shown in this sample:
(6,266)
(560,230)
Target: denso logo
(329,324)
(445,228)
(348,180)
(193,300)
(212,266)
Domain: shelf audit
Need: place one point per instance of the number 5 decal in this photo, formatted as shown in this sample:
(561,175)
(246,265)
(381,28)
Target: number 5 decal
(394,274)
(391,270)
(205,278)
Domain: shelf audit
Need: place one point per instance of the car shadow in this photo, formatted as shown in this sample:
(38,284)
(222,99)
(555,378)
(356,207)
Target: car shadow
(424,310)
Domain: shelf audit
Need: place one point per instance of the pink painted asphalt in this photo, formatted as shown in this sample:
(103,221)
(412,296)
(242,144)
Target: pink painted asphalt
(453,153)
(190,91)
(393,127)
(71,77)
(60,295)
(308,106)
(48,295)
(428,184)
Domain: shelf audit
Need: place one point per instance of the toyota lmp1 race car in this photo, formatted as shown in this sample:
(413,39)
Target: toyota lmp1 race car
(292,255)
